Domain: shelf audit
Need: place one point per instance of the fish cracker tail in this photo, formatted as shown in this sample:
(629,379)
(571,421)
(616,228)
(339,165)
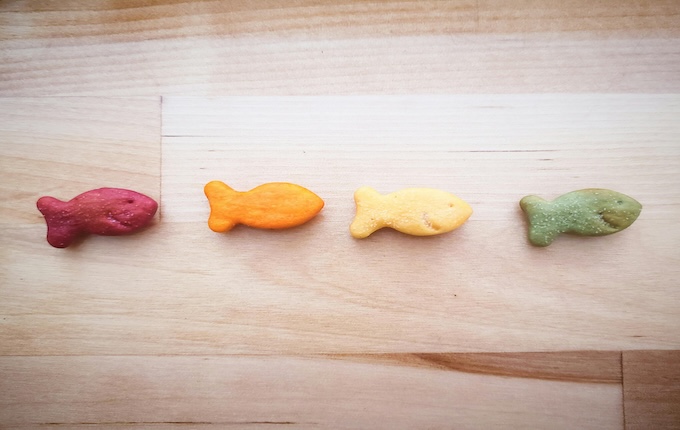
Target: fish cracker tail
(49,206)
(530,203)
(217,193)
(365,221)
(542,228)
(541,236)
(62,230)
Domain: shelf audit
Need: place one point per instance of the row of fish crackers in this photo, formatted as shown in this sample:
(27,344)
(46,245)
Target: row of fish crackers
(281,205)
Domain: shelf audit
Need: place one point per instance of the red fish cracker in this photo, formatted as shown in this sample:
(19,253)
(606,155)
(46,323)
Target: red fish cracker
(275,205)
(104,211)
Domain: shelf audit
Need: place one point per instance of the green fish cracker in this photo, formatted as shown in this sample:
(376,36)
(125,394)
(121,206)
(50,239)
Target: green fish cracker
(588,212)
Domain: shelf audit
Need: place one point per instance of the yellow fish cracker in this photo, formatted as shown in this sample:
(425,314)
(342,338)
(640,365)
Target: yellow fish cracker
(414,211)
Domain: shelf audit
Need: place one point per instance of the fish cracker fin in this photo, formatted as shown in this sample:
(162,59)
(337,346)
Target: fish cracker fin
(365,221)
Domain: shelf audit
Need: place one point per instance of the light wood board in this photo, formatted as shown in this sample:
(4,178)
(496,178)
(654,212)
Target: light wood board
(390,303)
(314,288)
(179,327)
(324,47)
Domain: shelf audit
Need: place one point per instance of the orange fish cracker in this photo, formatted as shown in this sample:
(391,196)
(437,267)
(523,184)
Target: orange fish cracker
(275,205)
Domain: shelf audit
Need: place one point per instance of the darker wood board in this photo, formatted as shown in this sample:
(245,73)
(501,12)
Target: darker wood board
(651,389)
(551,390)
(573,366)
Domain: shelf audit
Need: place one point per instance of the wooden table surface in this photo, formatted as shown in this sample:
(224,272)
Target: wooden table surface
(179,327)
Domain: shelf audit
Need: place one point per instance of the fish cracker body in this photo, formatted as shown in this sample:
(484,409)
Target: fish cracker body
(588,212)
(275,205)
(104,211)
(414,211)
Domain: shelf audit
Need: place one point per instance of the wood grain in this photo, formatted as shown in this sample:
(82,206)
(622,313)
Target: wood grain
(294,392)
(574,366)
(352,47)
(169,18)
(651,389)
(65,146)
(181,289)
(178,327)
(457,290)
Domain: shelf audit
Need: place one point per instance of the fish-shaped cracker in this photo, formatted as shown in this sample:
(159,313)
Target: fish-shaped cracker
(104,211)
(415,211)
(275,205)
(588,212)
